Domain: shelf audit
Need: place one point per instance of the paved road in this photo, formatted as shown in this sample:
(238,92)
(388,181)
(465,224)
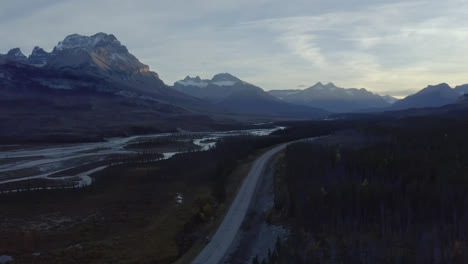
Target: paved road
(221,241)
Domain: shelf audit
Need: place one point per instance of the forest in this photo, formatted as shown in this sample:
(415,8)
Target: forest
(138,210)
(400,196)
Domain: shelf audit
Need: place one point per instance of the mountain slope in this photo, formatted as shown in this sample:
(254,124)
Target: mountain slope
(231,94)
(431,96)
(461,89)
(16,55)
(332,98)
(40,104)
(101,54)
(104,56)
(38,57)
(89,87)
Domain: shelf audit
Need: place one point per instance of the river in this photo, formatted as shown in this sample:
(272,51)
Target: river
(57,162)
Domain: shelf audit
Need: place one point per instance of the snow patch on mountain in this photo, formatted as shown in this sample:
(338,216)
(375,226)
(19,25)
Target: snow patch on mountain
(224,83)
(193,83)
(222,79)
(84,42)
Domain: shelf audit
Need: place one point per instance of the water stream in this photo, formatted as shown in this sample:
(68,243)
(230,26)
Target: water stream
(43,162)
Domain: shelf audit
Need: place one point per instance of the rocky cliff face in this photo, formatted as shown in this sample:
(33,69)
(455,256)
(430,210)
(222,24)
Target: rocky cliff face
(15,55)
(38,57)
(101,53)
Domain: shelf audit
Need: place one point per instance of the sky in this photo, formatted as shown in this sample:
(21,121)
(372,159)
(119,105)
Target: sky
(388,47)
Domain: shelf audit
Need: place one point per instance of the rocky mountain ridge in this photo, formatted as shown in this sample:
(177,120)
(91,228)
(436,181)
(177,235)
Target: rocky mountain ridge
(432,96)
(332,98)
(232,94)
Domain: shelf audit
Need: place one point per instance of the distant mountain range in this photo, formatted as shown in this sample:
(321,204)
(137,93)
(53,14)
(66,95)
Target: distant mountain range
(231,94)
(341,100)
(91,87)
(334,99)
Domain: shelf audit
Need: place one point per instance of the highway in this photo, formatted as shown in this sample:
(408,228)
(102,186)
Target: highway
(215,250)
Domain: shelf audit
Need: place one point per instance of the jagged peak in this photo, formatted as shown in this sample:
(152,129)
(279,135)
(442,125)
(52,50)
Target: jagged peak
(15,53)
(320,86)
(87,42)
(196,79)
(221,79)
(38,51)
(329,85)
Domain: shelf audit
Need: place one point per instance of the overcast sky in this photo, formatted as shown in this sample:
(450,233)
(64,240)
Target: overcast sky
(385,46)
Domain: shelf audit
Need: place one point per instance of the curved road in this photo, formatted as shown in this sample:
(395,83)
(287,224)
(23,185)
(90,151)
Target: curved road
(221,241)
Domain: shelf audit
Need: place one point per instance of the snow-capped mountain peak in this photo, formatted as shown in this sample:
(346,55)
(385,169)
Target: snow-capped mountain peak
(197,81)
(225,79)
(101,53)
(77,41)
(222,79)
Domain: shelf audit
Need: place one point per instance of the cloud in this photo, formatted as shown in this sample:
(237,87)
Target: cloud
(389,48)
(383,47)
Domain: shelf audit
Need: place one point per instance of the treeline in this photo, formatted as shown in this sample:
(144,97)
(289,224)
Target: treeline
(305,129)
(403,200)
(181,141)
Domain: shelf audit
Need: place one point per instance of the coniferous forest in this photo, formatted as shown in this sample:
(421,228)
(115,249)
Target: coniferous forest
(398,196)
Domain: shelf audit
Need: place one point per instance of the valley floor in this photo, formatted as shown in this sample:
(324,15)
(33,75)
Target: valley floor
(70,165)
(133,211)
